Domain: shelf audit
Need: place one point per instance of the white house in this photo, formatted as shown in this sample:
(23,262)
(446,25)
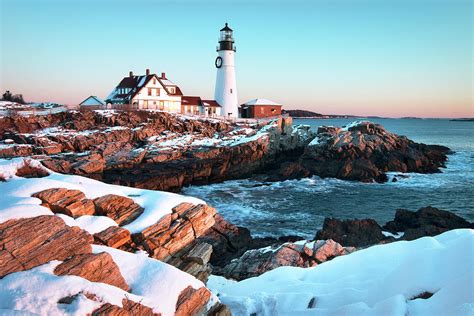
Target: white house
(148,91)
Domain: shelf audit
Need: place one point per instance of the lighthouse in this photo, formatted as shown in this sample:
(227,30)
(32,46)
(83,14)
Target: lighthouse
(226,87)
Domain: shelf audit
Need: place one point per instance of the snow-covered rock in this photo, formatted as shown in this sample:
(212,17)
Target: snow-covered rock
(392,279)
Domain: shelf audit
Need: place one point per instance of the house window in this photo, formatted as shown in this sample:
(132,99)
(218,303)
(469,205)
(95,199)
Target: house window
(171,90)
(154,81)
(145,104)
(230,90)
(149,91)
(262,111)
(162,105)
(157,91)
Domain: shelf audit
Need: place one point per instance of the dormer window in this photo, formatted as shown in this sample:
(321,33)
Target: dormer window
(171,90)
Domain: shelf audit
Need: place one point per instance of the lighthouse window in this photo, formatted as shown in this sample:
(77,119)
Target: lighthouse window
(230,90)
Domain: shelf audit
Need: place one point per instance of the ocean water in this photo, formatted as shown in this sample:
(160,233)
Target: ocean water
(298,207)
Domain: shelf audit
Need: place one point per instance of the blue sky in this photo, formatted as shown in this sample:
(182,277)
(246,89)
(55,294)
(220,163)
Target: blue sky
(393,57)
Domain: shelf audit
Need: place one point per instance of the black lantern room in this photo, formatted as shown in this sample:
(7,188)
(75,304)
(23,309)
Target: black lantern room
(226,40)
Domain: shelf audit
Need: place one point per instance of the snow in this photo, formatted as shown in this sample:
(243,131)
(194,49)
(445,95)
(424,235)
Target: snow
(396,236)
(16,200)
(261,102)
(90,223)
(154,280)
(380,280)
(355,123)
(153,283)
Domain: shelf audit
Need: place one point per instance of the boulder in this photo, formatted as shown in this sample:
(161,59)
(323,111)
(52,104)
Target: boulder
(129,308)
(113,236)
(355,233)
(194,260)
(177,230)
(192,301)
(95,268)
(70,202)
(29,171)
(30,242)
(121,209)
(427,221)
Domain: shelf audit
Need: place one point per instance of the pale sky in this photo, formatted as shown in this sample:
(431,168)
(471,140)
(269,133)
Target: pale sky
(363,57)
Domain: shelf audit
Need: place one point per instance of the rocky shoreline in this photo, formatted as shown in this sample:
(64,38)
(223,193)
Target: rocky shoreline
(159,151)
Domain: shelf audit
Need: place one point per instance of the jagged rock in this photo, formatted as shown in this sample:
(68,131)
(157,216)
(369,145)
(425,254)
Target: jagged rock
(130,308)
(175,231)
(121,209)
(258,261)
(365,151)
(427,221)
(200,254)
(95,268)
(16,150)
(219,310)
(113,236)
(193,259)
(356,232)
(29,171)
(30,242)
(192,301)
(89,164)
(228,241)
(69,202)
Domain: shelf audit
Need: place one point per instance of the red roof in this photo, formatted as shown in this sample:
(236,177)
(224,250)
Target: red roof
(211,103)
(191,100)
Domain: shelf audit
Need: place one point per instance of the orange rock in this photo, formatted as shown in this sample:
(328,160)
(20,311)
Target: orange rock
(69,202)
(113,236)
(121,209)
(130,308)
(192,301)
(95,268)
(30,242)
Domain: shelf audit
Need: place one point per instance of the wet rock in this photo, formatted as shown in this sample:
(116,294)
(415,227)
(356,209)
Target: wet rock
(30,242)
(427,221)
(70,202)
(355,233)
(121,209)
(95,268)
(113,236)
(192,301)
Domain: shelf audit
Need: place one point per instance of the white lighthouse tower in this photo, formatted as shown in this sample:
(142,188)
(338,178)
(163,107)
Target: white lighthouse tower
(226,87)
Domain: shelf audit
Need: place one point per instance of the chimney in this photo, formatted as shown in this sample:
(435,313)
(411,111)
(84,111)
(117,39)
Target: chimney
(147,72)
(130,74)
(163,75)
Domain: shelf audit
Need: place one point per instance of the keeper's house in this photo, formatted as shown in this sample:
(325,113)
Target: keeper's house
(144,92)
(258,108)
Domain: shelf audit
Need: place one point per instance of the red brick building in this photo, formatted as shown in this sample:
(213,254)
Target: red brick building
(258,108)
